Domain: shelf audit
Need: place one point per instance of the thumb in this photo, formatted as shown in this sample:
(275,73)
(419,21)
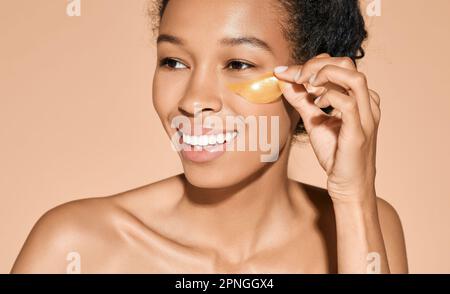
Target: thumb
(303,102)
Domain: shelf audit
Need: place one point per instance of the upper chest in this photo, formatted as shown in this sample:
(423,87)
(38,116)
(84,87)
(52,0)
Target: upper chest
(156,254)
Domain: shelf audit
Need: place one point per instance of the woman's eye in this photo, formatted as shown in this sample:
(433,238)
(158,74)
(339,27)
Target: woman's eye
(237,65)
(174,64)
(170,63)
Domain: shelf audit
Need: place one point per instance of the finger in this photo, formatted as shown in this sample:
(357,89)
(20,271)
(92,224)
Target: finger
(375,105)
(292,75)
(356,84)
(303,103)
(376,112)
(323,55)
(319,91)
(288,73)
(375,96)
(302,73)
(348,111)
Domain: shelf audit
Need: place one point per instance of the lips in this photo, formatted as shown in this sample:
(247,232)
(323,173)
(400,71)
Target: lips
(207,146)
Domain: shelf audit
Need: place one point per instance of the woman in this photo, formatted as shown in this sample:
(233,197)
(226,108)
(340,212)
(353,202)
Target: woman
(230,211)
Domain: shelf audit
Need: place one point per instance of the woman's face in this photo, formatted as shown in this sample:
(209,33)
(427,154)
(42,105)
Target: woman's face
(203,46)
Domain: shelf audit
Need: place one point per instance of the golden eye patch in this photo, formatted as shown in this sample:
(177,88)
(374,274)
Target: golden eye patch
(264,89)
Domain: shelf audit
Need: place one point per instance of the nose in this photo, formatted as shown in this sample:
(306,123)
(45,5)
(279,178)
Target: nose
(203,95)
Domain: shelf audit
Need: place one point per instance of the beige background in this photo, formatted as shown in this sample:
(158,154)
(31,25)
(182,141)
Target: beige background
(76,118)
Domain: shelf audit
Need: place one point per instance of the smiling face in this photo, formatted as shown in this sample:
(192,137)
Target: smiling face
(202,47)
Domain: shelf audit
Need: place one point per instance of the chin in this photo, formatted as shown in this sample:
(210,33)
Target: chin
(231,170)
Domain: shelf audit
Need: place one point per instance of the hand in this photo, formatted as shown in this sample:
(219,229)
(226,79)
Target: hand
(344,141)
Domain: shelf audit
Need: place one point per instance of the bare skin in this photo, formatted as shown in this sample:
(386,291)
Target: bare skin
(142,231)
(237,214)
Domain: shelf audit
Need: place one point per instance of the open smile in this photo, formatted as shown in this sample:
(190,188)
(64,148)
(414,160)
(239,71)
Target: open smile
(203,148)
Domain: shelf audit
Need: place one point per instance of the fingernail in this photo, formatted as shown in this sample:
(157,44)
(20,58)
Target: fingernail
(317,100)
(280,69)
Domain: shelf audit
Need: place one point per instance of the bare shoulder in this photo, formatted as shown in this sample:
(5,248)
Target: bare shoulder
(388,214)
(389,219)
(393,236)
(63,231)
(88,227)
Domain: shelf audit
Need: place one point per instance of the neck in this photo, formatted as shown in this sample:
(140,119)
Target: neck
(238,221)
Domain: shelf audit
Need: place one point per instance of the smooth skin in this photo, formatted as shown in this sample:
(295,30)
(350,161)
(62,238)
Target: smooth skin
(236,214)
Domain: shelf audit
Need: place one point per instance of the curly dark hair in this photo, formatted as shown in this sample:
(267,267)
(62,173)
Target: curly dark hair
(313,27)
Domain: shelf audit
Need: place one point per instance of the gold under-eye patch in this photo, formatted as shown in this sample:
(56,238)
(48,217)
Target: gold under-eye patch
(264,89)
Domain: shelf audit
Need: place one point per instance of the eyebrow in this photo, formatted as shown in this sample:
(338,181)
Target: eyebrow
(235,41)
(247,40)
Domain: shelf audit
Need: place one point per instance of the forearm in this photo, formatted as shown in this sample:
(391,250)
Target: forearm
(360,244)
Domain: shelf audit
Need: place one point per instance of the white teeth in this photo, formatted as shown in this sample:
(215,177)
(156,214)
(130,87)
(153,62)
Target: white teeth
(212,140)
(205,140)
(220,138)
(186,139)
(194,140)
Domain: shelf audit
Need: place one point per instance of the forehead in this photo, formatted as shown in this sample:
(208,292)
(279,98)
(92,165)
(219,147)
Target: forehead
(206,21)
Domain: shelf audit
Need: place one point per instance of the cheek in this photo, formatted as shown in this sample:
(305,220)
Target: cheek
(268,113)
(285,123)
(292,116)
(164,97)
